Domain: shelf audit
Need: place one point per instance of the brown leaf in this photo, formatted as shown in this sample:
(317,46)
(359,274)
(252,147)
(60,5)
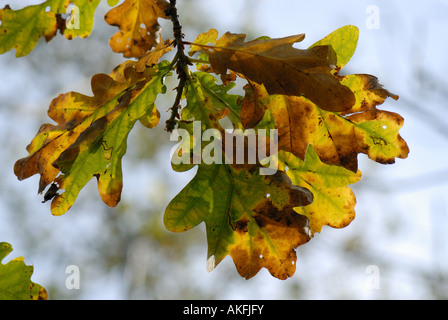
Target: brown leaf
(254,105)
(269,238)
(139,28)
(153,56)
(281,68)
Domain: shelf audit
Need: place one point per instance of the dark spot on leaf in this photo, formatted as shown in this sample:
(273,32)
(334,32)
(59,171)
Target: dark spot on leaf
(337,69)
(344,161)
(260,222)
(51,192)
(241,225)
(379,141)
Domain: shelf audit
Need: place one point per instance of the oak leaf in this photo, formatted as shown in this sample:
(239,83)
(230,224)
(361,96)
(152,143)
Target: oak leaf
(21,29)
(138,26)
(15,279)
(89,139)
(339,138)
(334,202)
(80,20)
(343,41)
(209,102)
(280,67)
(247,216)
(255,104)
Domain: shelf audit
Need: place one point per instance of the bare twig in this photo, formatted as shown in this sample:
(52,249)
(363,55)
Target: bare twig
(181,65)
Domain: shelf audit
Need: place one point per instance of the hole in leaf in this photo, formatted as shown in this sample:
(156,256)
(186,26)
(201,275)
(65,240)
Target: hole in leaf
(268,195)
(47,9)
(384,127)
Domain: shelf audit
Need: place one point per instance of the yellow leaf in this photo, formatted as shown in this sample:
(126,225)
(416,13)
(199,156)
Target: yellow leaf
(334,202)
(339,137)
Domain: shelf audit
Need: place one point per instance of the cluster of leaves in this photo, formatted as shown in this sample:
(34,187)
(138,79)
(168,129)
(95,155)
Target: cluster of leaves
(323,119)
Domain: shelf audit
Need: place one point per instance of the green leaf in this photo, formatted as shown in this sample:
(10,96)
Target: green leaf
(21,29)
(344,41)
(209,102)
(90,137)
(15,279)
(99,149)
(247,216)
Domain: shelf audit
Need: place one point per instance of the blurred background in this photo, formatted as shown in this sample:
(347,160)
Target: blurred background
(399,237)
